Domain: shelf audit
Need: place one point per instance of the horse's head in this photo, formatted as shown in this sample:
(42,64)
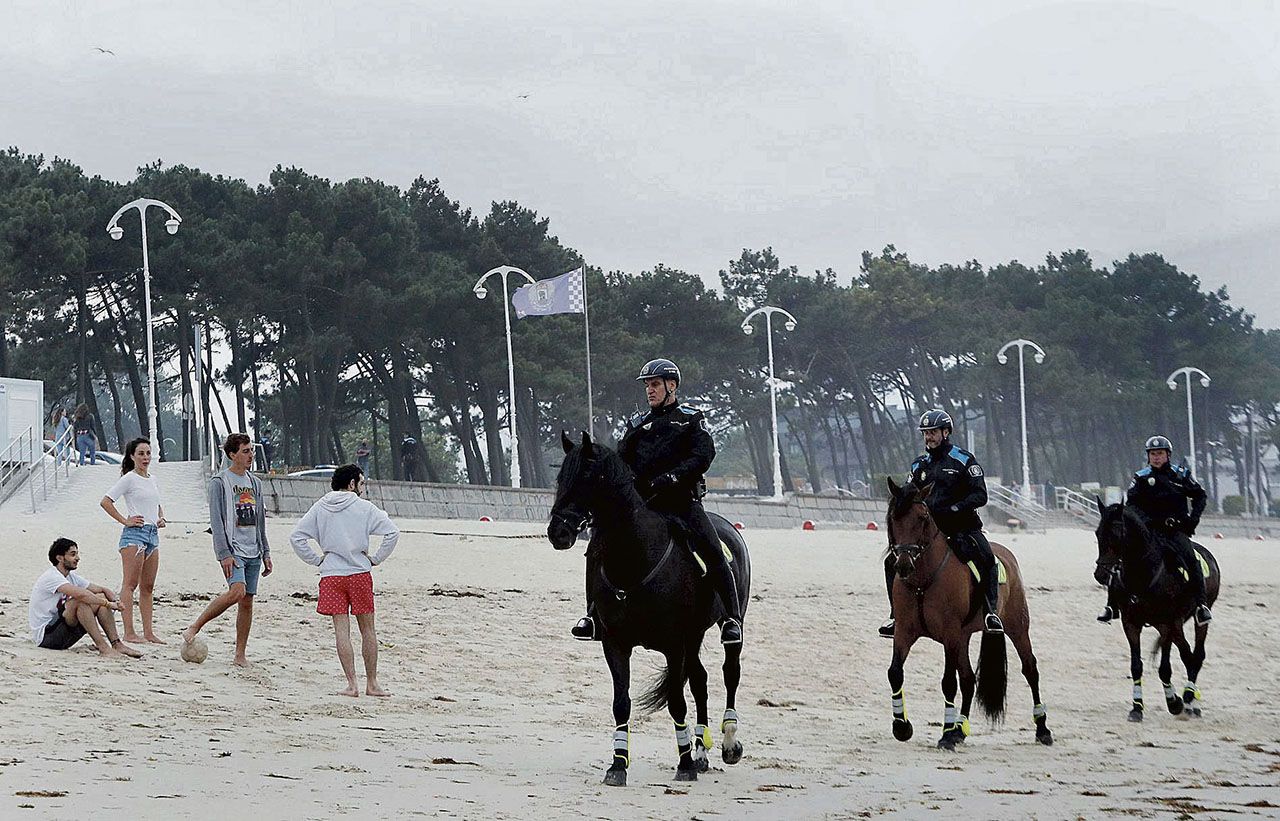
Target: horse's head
(1116,526)
(588,470)
(910,527)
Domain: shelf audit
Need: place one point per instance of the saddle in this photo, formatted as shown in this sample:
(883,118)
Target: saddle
(680,536)
(1000,571)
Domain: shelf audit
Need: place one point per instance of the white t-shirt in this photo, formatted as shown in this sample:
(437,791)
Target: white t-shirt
(140,494)
(45,598)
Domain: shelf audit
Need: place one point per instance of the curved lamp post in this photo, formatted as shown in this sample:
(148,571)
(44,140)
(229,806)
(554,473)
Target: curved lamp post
(769,311)
(1022,393)
(116,232)
(1172,382)
(481,292)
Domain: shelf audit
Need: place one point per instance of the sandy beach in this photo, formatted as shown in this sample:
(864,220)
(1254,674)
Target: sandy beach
(498,713)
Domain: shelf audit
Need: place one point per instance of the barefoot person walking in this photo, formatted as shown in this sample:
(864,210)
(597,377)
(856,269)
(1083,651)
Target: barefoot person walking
(65,606)
(140,540)
(341,523)
(239,541)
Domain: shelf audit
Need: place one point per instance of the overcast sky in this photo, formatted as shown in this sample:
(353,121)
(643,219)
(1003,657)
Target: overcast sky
(681,132)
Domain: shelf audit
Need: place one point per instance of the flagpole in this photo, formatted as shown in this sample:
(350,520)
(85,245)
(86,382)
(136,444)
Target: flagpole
(586,324)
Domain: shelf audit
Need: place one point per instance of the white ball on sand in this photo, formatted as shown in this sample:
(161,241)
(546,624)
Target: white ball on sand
(195,651)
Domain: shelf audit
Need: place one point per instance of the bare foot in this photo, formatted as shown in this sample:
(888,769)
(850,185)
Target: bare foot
(352,691)
(240,661)
(126,649)
(111,653)
(134,637)
(374,690)
(154,639)
(189,635)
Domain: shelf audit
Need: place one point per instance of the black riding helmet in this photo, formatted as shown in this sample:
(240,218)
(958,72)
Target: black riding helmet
(661,368)
(935,419)
(1159,443)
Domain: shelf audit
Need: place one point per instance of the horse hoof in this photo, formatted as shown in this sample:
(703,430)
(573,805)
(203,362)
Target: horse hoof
(948,744)
(1194,712)
(1135,715)
(1045,737)
(902,729)
(702,764)
(732,755)
(686,775)
(1175,706)
(616,778)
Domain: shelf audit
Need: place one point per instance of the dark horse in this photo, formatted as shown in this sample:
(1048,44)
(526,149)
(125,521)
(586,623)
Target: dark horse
(935,595)
(1157,594)
(647,592)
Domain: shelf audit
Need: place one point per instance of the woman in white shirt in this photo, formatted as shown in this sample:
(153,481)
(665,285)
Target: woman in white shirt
(140,540)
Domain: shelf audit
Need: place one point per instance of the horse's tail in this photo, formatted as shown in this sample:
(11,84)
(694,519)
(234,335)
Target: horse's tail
(655,698)
(993,675)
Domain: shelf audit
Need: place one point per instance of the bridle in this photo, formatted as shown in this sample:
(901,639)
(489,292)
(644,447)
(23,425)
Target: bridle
(912,552)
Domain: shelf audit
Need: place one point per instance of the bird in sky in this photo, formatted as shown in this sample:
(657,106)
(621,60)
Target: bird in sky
(102,50)
(522,96)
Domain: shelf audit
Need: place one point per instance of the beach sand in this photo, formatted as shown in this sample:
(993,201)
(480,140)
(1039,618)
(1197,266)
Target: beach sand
(498,713)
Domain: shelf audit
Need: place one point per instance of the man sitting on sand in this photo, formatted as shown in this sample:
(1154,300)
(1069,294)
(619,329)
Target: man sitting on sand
(66,605)
(341,523)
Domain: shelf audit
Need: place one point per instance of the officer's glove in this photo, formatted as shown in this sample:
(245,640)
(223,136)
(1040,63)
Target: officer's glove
(664,482)
(1173,523)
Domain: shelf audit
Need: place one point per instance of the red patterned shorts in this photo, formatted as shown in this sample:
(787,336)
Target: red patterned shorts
(346,594)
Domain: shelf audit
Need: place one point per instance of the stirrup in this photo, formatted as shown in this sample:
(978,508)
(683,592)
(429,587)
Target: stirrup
(886,629)
(993,624)
(585,629)
(1108,613)
(731,632)
(1203,615)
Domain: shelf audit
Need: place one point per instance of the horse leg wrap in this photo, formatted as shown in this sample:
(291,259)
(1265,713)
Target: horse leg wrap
(730,719)
(1137,693)
(899,705)
(1190,692)
(622,745)
(1169,693)
(684,739)
(950,717)
(1039,712)
(964,725)
(702,735)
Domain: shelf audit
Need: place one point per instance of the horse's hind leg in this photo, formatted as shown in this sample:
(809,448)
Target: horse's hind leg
(619,660)
(964,667)
(730,746)
(685,770)
(1193,660)
(698,686)
(1171,698)
(1133,632)
(1031,672)
(951,732)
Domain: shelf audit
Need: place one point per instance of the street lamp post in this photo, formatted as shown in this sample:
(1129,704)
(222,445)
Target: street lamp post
(1022,394)
(481,292)
(769,311)
(116,232)
(1172,382)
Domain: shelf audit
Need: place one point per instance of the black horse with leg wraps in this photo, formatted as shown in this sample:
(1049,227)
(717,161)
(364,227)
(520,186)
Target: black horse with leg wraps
(648,591)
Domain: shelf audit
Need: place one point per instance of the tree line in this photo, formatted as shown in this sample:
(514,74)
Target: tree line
(348,313)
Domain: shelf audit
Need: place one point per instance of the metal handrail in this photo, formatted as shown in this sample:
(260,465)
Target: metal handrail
(1029,510)
(16,458)
(1077,504)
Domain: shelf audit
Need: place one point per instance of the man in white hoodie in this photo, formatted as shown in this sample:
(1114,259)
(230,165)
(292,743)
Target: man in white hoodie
(341,523)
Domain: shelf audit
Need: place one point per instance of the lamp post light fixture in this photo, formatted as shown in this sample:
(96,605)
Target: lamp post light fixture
(481,292)
(116,232)
(1172,382)
(1022,344)
(790,325)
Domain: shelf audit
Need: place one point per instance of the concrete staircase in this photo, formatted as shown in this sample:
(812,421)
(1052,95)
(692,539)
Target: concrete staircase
(183,493)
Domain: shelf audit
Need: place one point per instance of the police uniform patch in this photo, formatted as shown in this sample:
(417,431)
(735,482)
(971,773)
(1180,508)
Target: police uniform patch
(975,470)
(702,423)
(1151,480)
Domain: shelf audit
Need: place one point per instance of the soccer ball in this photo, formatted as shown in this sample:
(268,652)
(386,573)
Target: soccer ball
(195,651)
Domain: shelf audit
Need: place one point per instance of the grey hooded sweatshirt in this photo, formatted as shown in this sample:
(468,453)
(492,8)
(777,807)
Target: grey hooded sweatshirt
(341,523)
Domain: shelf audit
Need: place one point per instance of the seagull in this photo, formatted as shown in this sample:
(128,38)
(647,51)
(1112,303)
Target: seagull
(102,50)
(522,96)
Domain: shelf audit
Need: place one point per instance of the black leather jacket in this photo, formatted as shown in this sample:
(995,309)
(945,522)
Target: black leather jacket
(1163,493)
(671,439)
(959,487)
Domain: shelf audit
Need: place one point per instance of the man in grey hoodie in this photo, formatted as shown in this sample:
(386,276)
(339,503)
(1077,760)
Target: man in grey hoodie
(341,523)
(239,528)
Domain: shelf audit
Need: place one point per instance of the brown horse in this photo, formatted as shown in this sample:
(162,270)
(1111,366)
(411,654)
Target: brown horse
(935,595)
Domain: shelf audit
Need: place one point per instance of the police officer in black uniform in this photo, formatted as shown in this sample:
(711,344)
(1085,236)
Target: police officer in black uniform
(669,448)
(1160,491)
(959,489)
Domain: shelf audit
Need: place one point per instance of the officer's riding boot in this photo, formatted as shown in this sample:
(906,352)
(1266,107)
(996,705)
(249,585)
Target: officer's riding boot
(886,629)
(727,589)
(1196,574)
(585,629)
(1114,597)
(991,579)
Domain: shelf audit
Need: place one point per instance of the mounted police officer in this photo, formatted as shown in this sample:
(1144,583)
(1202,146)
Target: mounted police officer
(1161,491)
(669,448)
(959,489)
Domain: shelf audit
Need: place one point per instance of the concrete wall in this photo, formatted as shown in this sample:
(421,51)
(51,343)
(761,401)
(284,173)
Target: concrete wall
(291,496)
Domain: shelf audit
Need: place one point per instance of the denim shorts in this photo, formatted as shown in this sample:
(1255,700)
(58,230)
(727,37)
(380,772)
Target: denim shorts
(148,536)
(246,572)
